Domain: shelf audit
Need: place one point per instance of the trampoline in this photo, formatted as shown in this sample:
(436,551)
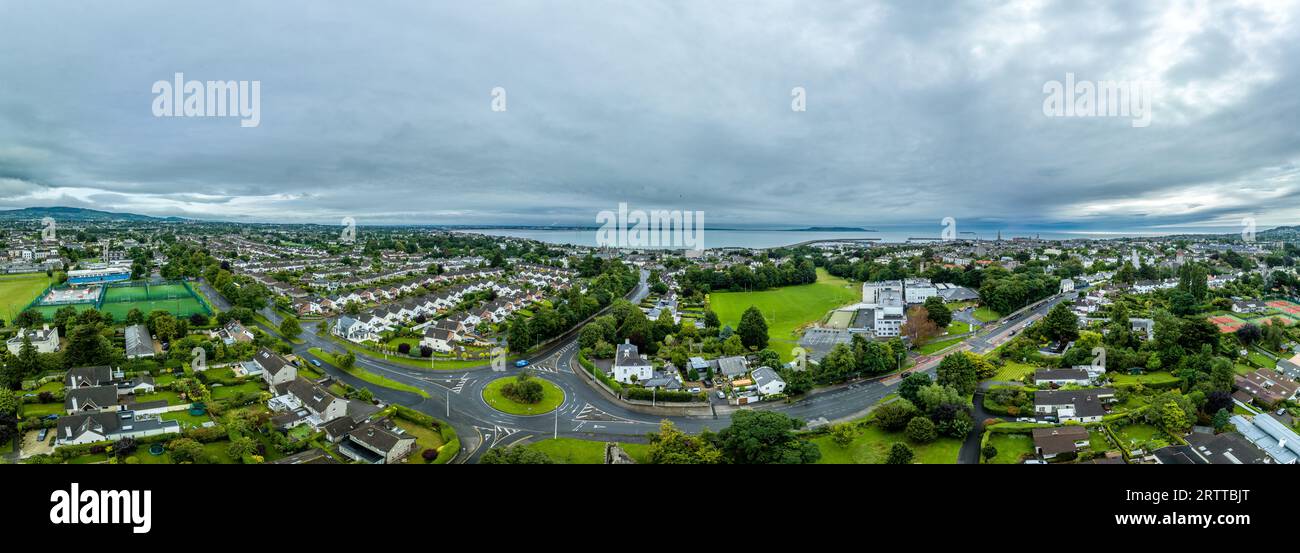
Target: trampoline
(198,409)
(156,450)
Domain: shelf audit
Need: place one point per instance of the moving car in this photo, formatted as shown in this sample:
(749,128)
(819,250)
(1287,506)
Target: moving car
(521,363)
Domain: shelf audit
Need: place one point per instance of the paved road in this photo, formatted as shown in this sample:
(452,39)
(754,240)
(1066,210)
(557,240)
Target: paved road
(456,395)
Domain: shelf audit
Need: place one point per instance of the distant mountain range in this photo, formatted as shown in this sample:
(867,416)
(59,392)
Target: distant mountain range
(78,214)
(1281,233)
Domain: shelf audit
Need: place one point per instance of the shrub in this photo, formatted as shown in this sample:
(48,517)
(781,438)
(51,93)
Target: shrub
(404,348)
(429,454)
(921,430)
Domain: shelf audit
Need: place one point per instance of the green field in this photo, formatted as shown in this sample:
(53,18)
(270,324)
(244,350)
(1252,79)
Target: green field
(985,315)
(787,309)
(552,397)
(935,345)
(871,447)
(17,291)
(571,451)
(1011,447)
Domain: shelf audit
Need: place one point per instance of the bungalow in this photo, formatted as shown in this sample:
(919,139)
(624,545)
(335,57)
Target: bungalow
(378,442)
(1062,377)
(45,340)
(1271,435)
(1073,405)
(276,370)
(768,381)
(87,428)
(1267,386)
(1249,306)
(733,367)
(1050,442)
(630,366)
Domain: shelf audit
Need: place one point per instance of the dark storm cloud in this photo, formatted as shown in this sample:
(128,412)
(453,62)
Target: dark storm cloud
(916,111)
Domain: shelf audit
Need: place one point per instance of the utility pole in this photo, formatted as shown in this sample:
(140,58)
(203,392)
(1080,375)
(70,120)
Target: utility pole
(556,434)
(448,403)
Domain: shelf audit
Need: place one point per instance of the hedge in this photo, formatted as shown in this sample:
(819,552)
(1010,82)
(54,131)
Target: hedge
(599,374)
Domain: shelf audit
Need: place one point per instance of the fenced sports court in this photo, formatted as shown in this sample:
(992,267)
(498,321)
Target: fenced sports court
(177,298)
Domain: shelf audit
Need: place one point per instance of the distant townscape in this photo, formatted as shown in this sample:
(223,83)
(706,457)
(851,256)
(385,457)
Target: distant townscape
(140,340)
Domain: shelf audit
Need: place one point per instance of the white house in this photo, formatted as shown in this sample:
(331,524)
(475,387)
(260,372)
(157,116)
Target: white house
(45,340)
(630,366)
(439,339)
(767,381)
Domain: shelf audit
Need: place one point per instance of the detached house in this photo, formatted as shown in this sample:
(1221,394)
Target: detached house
(768,381)
(378,442)
(1050,442)
(276,370)
(45,340)
(630,366)
(1073,405)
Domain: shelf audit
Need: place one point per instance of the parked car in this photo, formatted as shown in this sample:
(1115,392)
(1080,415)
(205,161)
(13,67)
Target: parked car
(315,362)
(694,390)
(40,436)
(1280,412)
(721,395)
(1024,419)
(521,363)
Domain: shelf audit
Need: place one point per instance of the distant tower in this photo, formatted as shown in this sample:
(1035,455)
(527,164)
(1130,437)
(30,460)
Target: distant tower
(999,235)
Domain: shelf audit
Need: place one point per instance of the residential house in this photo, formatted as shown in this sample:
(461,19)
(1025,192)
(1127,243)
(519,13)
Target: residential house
(768,381)
(1050,442)
(630,366)
(377,442)
(45,340)
(1062,377)
(84,428)
(276,370)
(1086,405)
(1267,386)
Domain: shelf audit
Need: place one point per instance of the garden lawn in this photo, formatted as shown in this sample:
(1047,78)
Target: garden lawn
(787,309)
(1011,447)
(1013,371)
(572,451)
(16,291)
(425,438)
(42,409)
(958,327)
(872,445)
(1160,377)
(552,397)
(185,418)
(222,392)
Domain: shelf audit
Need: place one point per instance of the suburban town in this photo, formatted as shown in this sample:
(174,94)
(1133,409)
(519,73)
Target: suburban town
(136,340)
(951,237)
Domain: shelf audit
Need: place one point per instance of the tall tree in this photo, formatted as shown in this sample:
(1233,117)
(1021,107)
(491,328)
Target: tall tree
(753,329)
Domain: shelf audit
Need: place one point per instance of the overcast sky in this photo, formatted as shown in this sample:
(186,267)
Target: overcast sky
(915,111)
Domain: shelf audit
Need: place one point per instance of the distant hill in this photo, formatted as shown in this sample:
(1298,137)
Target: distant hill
(1281,233)
(78,214)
